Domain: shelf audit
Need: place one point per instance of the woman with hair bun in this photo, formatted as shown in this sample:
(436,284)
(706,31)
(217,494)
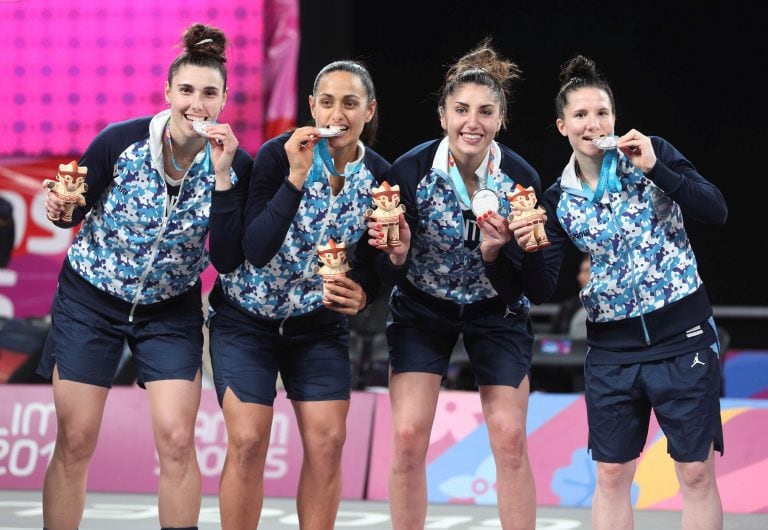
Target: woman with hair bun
(132,276)
(652,342)
(465,274)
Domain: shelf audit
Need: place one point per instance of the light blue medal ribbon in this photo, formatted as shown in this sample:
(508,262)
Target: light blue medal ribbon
(323,155)
(608,178)
(458,182)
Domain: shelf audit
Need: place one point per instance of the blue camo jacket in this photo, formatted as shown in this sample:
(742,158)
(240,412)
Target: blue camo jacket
(644,285)
(438,263)
(283,226)
(129,246)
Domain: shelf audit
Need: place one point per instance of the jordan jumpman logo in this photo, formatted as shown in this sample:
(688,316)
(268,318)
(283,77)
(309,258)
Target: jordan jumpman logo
(697,361)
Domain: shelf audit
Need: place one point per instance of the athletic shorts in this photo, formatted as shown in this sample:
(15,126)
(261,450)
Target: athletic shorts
(87,338)
(311,355)
(422,334)
(682,391)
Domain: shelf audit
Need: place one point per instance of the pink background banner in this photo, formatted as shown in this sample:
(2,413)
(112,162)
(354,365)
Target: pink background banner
(70,68)
(460,467)
(125,459)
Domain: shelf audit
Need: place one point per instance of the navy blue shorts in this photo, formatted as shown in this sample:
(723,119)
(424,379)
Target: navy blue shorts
(312,356)
(422,336)
(86,340)
(683,391)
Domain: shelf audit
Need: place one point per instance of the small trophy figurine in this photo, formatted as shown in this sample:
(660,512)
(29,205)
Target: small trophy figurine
(69,186)
(387,212)
(334,264)
(524,200)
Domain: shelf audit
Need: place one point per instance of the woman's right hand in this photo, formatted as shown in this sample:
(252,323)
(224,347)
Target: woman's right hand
(54,205)
(398,254)
(522,228)
(300,149)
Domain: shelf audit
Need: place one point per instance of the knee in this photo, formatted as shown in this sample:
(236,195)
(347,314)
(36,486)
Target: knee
(176,444)
(612,476)
(74,446)
(695,476)
(410,447)
(508,443)
(247,450)
(326,446)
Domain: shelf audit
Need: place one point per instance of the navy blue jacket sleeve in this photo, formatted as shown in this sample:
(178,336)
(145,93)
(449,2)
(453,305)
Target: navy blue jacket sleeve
(552,257)
(271,205)
(365,258)
(515,270)
(405,172)
(226,221)
(699,199)
(100,157)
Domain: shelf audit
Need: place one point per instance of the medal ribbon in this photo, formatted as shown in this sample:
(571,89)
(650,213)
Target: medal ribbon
(458,182)
(608,178)
(323,154)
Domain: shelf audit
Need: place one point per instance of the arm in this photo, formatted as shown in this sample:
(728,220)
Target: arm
(226,222)
(100,158)
(271,205)
(536,272)
(541,269)
(364,262)
(673,173)
(393,267)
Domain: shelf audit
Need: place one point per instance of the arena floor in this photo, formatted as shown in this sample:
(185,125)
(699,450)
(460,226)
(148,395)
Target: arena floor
(21,510)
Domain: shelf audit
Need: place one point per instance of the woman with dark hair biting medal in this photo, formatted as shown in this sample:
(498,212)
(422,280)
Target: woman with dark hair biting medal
(132,275)
(652,343)
(464,274)
(270,315)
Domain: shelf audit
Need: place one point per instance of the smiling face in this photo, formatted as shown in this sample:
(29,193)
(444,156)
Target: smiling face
(195,93)
(588,114)
(471,118)
(342,102)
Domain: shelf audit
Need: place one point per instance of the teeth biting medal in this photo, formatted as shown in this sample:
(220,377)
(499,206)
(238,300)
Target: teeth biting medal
(329,132)
(606,142)
(200,125)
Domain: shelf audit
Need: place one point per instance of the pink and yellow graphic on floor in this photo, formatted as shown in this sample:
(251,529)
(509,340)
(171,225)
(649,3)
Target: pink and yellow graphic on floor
(460,467)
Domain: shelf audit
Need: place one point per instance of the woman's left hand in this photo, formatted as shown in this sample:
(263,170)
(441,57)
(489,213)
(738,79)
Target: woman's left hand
(223,147)
(496,234)
(345,296)
(638,149)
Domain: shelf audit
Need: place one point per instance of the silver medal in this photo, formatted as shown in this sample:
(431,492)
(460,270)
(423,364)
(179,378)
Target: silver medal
(484,200)
(606,142)
(329,132)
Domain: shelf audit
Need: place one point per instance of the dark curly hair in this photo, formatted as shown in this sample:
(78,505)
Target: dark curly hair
(580,72)
(203,46)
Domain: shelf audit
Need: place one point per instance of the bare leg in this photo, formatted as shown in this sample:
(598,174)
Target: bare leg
(323,430)
(505,409)
(414,400)
(612,503)
(702,509)
(174,405)
(241,490)
(79,409)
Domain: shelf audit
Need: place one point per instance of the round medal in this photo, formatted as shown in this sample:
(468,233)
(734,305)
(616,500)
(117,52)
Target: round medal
(606,142)
(484,200)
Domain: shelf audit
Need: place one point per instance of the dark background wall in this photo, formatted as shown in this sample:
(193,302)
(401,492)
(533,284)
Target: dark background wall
(689,73)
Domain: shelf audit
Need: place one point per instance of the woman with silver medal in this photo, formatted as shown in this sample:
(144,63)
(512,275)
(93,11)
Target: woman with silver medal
(465,276)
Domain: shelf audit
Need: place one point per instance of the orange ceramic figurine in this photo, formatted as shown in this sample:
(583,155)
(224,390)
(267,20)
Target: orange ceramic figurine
(524,201)
(69,186)
(334,259)
(387,213)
